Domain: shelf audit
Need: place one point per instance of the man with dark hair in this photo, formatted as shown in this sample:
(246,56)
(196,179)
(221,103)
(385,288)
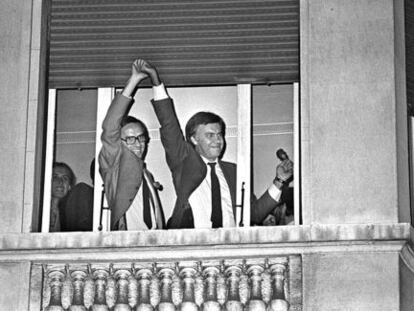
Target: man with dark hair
(129,186)
(205,185)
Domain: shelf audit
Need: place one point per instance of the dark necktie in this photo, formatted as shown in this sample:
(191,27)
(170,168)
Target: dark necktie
(146,203)
(216,213)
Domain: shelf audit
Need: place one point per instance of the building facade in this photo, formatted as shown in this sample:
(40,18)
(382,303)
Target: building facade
(353,250)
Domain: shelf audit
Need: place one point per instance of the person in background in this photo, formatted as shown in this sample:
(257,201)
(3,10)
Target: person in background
(130,188)
(63,180)
(76,209)
(205,185)
(284,170)
(283,213)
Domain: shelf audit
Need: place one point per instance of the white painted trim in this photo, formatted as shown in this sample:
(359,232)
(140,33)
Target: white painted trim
(50,134)
(104,99)
(244,101)
(296,152)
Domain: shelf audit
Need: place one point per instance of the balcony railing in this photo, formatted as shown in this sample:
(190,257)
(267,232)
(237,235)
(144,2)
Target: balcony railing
(183,270)
(231,285)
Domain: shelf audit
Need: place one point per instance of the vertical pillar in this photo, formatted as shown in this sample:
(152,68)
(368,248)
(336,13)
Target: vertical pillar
(244,98)
(255,302)
(232,274)
(78,277)
(278,302)
(122,303)
(144,276)
(353,112)
(166,275)
(56,278)
(100,276)
(210,289)
(187,275)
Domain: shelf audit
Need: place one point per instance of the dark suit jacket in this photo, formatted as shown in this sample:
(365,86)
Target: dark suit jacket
(120,169)
(189,170)
(76,209)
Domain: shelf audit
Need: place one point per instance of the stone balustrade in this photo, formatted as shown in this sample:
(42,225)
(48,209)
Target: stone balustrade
(191,268)
(229,285)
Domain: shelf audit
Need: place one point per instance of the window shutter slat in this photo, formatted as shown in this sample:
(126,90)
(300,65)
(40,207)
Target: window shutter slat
(197,42)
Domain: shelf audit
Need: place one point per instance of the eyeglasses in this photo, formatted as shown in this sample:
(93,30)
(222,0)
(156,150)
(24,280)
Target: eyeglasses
(130,140)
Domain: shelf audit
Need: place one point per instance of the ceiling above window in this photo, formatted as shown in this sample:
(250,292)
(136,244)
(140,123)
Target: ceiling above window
(192,42)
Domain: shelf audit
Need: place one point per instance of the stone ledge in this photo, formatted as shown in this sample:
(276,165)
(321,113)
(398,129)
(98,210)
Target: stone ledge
(242,237)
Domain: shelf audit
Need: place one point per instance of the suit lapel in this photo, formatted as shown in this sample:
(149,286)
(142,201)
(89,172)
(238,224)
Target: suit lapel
(193,172)
(230,176)
(155,199)
(129,181)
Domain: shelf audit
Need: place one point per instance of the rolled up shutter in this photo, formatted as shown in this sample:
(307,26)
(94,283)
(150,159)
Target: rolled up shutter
(192,42)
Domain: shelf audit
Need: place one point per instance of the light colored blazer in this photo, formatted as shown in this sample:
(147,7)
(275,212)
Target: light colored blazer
(120,169)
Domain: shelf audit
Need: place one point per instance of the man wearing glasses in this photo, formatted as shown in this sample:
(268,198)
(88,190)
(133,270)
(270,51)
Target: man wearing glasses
(130,188)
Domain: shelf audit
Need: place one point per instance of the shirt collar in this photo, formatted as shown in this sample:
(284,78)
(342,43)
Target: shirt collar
(206,161)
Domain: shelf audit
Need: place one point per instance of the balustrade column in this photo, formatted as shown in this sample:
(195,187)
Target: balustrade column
(122,303)
(256,302)
(188,274)
(210,289)
(100,276)
(144,276)
(278,269)
(166,275)
(232,274)
(56,278)
(78,281)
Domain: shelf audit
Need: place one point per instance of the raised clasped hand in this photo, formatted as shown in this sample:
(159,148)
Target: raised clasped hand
(137,69)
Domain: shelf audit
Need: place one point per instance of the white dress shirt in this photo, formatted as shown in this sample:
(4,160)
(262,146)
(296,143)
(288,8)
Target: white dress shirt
(135,213)
(200,201)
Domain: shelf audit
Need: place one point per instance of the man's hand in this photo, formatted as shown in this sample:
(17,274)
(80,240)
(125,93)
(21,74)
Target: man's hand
(284,170)
(137,74)
(151,71)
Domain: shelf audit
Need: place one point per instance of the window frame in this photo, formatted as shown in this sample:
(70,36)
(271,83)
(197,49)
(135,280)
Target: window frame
(244,156)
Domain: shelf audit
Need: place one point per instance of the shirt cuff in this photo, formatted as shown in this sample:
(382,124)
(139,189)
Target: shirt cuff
(160,92)
(274,192)
(126,96)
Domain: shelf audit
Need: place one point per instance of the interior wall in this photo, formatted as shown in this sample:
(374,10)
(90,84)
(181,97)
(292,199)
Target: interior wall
(75,130)
(272,129)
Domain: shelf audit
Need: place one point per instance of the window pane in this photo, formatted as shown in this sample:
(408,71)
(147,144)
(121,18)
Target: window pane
(273,129)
